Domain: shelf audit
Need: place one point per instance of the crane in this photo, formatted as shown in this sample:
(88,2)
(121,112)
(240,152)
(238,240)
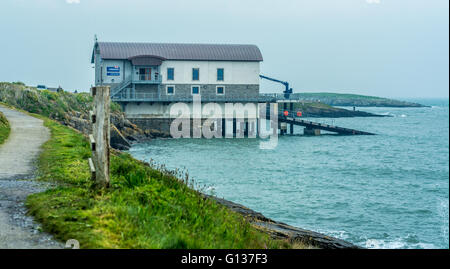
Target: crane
(286,92)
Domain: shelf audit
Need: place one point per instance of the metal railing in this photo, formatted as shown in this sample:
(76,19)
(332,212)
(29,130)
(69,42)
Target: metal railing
(280,96)
(292,116)
(141,79)
(299,114)
(148,78)
(156,97)
(121,86)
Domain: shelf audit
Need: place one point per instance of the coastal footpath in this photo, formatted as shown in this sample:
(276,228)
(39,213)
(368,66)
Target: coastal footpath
(17,170)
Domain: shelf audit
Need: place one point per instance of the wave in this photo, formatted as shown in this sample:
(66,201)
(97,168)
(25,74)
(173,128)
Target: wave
(396,244)
(443,213)
(408,242)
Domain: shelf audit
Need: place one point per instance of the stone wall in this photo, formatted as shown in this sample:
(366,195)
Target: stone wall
(147,88)
(209,90)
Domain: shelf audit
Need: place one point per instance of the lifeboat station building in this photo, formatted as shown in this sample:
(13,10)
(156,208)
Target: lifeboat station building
(148,78)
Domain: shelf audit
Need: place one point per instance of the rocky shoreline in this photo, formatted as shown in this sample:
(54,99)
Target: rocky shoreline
(282,231)
(123,132)
(369,103)
(342,99)
(318,110)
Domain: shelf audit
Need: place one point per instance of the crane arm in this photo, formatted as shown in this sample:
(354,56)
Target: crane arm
(275,80)
(286,92)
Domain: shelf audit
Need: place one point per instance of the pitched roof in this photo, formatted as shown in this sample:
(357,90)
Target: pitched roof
(173,51)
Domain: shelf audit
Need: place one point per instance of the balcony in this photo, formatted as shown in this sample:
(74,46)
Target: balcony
(153,78)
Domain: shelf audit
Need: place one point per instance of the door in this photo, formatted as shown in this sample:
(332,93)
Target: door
(145,74)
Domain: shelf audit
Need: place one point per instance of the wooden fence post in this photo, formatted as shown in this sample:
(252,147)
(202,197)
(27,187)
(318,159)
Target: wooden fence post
(100,137)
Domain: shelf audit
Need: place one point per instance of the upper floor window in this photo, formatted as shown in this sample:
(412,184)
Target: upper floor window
(195,73)
(220,74)
(170,73)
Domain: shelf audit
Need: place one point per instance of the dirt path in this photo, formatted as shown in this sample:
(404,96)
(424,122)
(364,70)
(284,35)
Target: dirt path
(17,166)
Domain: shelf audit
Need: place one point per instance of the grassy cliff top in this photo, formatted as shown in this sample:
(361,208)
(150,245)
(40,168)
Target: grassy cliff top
(339,95)
(4,128)
(145,207)
(54,105)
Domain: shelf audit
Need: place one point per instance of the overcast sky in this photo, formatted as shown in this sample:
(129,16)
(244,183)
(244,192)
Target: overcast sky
(393,48)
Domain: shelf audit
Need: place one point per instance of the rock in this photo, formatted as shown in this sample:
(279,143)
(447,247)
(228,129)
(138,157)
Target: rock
(311,109)
(279,230)
(120,147)
(117,140)
(131,138)
(153,133)
(335,99)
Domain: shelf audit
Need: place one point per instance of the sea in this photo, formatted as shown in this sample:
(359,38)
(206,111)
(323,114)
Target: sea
(387,191)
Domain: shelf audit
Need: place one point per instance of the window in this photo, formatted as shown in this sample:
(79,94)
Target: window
(220,74)
(170,89)
(195,74)
(195,89)
(170,73)
(220,90)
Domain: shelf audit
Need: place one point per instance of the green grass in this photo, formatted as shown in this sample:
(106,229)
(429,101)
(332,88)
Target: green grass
(4,128)
(143,208)
(54,105)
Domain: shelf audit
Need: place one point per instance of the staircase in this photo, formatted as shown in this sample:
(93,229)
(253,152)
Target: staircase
(120,87)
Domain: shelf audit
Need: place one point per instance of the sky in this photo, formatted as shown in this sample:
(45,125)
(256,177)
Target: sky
(389,48)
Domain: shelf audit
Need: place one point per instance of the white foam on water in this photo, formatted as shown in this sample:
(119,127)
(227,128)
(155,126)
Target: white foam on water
(338,234)
(382,244)
(210,189)
(403,116)
(396,244)
(442,210)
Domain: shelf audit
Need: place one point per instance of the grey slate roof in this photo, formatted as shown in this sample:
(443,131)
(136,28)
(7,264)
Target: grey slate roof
(172,51)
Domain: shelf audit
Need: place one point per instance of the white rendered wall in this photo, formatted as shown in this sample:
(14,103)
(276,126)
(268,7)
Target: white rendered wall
(234,72)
